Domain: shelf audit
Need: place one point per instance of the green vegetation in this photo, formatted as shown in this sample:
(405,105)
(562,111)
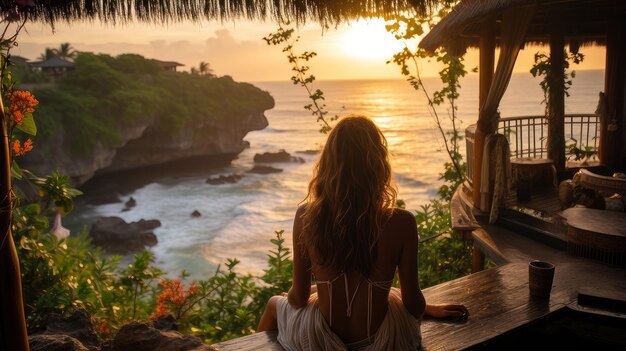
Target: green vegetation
(104,94)
(301,76)
(90,105)
(61,275)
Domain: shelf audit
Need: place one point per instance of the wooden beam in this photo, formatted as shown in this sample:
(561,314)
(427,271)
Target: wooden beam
(13,334)
(485,71)
(556,97)
(612,149)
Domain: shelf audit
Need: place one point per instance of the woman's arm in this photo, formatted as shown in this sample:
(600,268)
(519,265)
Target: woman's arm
(446,311)
(300,291)
(412,296)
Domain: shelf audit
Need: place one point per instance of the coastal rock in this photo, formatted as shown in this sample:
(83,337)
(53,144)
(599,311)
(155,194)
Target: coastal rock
(149,142)
(167,322)
(45,342)
(264,170)
(308,152)
(78,326)
(131,202)
(144,336)
(223,179)
(115,235)
(275,157)
(196,213)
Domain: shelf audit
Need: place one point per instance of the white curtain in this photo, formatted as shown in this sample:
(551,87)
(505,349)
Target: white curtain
(515,24)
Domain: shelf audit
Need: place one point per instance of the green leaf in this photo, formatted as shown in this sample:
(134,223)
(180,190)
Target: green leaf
(16,171)
(28,125)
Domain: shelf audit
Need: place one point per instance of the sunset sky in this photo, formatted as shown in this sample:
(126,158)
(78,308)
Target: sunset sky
(356,50)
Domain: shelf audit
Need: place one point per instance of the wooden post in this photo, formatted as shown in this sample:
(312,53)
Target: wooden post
(13,335)
(612,149)
(478,259)
(485,70)
(556,97)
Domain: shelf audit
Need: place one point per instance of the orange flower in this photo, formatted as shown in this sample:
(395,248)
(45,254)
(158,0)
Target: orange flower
(19,149)
(21,103)
(102,328)
(174,297)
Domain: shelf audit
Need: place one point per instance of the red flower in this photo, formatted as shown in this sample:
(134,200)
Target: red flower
(19,149)
(21,103)
(174,297)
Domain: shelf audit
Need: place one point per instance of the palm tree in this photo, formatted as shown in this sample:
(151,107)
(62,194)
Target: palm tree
(48,54)
(66,51)
(205,69)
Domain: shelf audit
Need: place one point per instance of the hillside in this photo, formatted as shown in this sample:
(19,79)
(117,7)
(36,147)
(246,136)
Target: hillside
(121,113)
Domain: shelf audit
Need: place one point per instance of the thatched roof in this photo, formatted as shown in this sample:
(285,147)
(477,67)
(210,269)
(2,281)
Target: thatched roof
(54,62)
(584,21)
(165,11)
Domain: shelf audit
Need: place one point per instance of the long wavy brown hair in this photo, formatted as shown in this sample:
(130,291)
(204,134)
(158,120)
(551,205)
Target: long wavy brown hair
(348,197)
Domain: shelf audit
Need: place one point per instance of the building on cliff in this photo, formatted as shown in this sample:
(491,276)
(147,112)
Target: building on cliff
(169,66)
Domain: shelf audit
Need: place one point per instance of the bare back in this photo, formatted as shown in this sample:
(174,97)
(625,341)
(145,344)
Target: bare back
(353,294)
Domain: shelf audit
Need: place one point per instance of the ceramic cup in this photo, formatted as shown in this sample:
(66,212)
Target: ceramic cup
(540,277)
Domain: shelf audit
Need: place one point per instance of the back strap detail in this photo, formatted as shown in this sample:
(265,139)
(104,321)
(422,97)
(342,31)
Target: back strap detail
(385,285)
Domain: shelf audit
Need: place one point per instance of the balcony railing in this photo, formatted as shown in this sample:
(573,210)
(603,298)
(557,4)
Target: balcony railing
(528,137)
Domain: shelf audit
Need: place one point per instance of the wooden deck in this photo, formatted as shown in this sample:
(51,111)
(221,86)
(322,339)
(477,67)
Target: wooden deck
(498,298)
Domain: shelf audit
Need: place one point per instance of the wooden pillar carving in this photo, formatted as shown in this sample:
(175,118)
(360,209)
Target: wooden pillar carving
(485,70)
(556,97)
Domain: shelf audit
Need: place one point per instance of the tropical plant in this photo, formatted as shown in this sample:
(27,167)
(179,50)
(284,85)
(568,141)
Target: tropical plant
(47,54)
(301,75)
(542,67)
(204,68)
(66,51)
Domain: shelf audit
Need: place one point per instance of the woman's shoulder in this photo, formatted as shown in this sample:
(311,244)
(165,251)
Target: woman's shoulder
(399,215)
(401,221)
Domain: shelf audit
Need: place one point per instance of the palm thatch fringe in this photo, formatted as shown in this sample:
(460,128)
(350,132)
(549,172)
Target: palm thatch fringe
(585,21)
(447,31)
(167,11)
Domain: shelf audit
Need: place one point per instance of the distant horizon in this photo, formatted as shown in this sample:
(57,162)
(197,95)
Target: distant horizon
(470,74)
(355,50)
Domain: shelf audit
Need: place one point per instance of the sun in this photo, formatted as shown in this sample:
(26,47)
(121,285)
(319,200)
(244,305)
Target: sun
(369,40)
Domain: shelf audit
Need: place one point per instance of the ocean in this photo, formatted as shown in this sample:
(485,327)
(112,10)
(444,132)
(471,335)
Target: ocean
(238,220)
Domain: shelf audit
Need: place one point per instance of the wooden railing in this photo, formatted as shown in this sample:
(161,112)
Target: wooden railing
(528,136)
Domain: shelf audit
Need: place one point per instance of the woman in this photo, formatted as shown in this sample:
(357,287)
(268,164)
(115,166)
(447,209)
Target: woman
(350,239)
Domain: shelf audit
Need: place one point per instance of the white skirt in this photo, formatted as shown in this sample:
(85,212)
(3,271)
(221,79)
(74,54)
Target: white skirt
(306,329)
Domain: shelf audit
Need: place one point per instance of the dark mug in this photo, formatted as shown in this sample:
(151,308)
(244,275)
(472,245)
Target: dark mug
(540,277)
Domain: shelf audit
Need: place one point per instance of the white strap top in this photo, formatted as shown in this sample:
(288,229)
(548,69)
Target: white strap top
(385,285)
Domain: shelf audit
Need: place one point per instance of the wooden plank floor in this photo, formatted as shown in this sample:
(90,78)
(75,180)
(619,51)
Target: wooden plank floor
(497,298)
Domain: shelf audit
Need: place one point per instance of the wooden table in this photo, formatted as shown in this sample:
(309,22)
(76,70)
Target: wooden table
(597,234)
(498,301)
(526,169)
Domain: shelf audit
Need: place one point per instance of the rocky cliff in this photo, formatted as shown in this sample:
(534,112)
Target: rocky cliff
(124,113)
(145,144)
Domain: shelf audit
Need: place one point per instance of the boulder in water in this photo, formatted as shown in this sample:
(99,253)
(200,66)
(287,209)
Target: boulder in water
(116,236)
(264,170)
(196,213)
(222,179)
(308,152)
(274,157)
